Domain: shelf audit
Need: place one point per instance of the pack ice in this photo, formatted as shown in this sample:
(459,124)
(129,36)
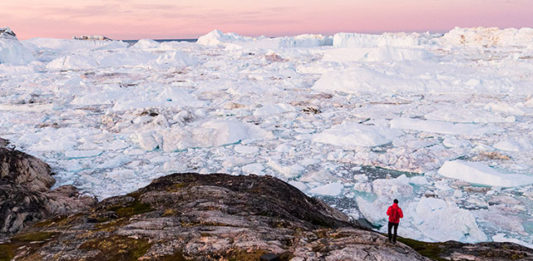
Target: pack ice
(441,122)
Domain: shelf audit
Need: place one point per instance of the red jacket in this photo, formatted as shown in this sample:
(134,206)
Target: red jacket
(395,213)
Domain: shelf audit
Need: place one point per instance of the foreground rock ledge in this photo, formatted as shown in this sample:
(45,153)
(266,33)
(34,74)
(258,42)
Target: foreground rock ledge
(206,217)
(213,217)
(25,194)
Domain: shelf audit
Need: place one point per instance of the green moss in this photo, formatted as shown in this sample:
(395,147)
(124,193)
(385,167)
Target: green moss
(111,225)
(33,236)
(169,212)
(58,221)
(133,208)
(176,187)
(246,255)
(285,256)
(255,254)
(100,219)
(118,248)
(7,252)
(45,223)
(321,233)
(429,250)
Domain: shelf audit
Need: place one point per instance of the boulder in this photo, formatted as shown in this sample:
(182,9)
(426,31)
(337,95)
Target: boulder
(25,170)
(25,195)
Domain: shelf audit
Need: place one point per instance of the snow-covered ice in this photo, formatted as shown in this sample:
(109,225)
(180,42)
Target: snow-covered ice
(440,121)
(352,135)
(478,173)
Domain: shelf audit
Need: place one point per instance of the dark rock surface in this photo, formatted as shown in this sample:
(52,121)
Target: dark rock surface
(452,250)
(207,217)
(25,195)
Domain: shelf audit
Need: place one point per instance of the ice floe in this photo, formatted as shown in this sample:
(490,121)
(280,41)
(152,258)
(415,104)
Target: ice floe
(350,135)
(479,173)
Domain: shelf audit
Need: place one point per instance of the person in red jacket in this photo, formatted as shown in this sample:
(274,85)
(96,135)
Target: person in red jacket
(395,213)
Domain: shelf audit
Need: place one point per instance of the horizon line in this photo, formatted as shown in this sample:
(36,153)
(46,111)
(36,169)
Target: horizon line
(275,35)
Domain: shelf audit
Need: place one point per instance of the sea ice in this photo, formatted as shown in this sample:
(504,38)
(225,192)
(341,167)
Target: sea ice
(515,145)
(443,127)
(350,135)
(358,40)
(314,110)
(500,237)
(433,217)
(331,189)
(478,173)
(232,40)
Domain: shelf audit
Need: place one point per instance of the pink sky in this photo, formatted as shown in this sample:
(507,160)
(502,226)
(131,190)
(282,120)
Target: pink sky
(158,19)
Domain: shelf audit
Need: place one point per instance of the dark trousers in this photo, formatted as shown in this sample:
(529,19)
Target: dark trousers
(391,237)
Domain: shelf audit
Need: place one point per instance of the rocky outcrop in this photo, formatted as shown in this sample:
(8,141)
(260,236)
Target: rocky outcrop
(208,217)
(25,195)
(452,250)
(204,217)
(25,170)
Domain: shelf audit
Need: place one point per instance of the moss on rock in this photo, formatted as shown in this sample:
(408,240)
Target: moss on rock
(133,208)
(7,252)
(430,250)
(33,236)
(118,248)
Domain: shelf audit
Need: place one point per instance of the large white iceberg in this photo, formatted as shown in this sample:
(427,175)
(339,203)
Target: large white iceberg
(479,173)
(488,37)
(351,134)
(216,37)
(444,127)
(212,133)
(434,217)
(387,39)
(131,57)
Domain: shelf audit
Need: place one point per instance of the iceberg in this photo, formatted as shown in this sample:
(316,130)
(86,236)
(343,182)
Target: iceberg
(217,37)
(349,135)
(11,50)
(488,37)
(478,173)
